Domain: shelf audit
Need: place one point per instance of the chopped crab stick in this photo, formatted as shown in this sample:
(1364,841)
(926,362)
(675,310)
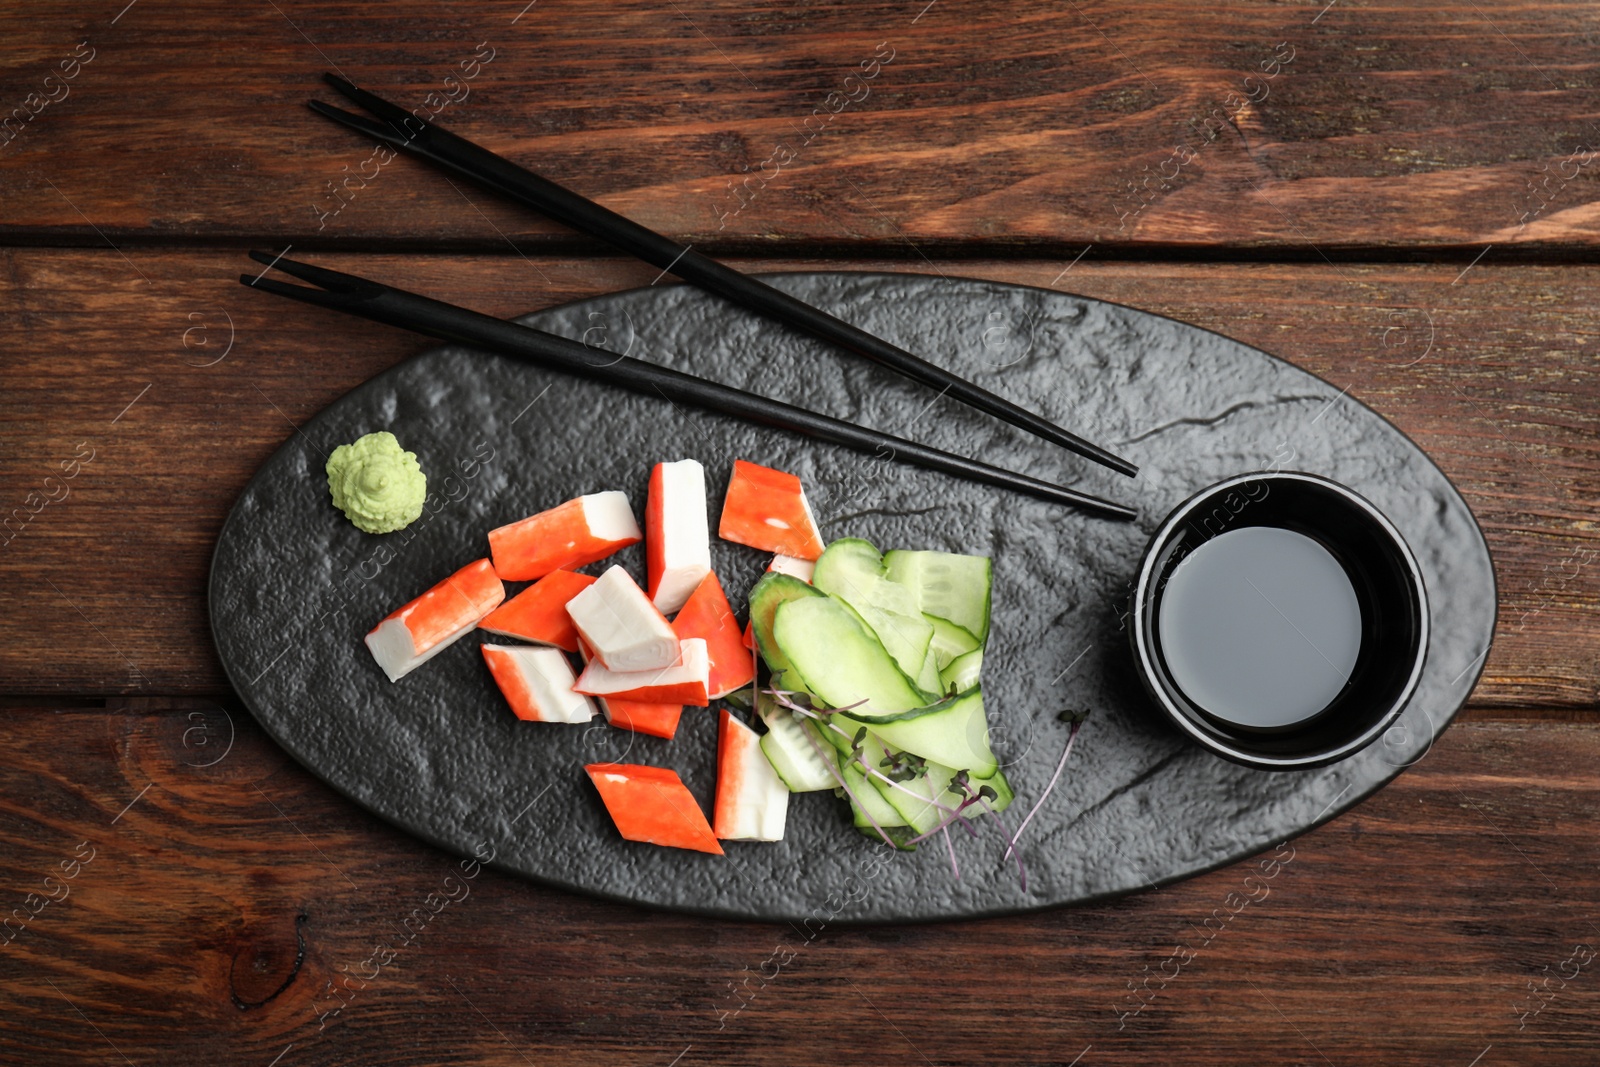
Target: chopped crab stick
(642,717)
(657,719)
(539,612)
(683,683)
(802,569)
(676,535)
(621,626)
(707,614)
(752,801)
(425,627)
(583,530)
(767,509)
(651,804)
(537,683)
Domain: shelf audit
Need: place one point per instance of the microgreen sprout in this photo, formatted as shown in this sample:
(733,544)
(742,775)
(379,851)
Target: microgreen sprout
(1076,718)
(897,768)
(902,766)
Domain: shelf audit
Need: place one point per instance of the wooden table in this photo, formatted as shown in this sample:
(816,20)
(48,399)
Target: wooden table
(1402,199)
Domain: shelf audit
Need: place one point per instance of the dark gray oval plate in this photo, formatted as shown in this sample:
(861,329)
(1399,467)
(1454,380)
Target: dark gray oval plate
(294,588)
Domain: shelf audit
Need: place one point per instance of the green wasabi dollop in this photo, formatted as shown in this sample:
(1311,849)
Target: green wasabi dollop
(377,484)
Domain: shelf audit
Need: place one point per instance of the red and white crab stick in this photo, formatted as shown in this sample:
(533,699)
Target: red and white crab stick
(584,530)
(537,683)
(685,682)
(677,535)
(657,718)
(425,627)
(752,801)
(794,567)
(766,508)
(707,615)
(539,612)
(621,626)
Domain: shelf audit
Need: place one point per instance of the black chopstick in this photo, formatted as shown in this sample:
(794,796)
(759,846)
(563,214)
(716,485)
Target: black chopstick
(435,318)
(461,156)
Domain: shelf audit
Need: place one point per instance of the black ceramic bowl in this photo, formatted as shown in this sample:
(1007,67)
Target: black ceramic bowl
(1388,589)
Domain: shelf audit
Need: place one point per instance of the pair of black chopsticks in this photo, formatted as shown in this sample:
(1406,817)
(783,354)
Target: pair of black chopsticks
(435,318)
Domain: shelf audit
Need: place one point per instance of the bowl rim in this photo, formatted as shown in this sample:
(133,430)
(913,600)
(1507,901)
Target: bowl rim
(1145,655)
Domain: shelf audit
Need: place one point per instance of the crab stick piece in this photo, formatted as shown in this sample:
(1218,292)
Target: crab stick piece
(802,569)
(767,509)
(642,717)
(621,626)
(683,683)
(539,612)
(420,630)
(583,530)
(537,683)
(677,539)
(655,718)
(651,804)
(752,801)
(707,615)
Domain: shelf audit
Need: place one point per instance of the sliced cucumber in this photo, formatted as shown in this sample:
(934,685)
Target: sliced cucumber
(900,835)
(949,641)
(953,732)
(846,562)
(962,673)
(946,585)
(852,570)
(839,659)
(774,589)
(794,749)
(919,799)
(1002,787)
(928,676)
(865,799)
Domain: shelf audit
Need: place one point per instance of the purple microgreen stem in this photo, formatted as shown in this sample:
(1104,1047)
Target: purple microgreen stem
(1072,737)
(1011,850)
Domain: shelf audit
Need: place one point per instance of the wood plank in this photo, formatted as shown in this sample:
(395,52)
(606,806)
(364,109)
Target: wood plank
(989,124)
(1494,376)
(224,903)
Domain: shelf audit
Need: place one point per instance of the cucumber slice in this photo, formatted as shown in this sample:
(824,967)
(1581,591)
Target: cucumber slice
(797,757)
(846,562)
(928,676)
(838,658)
(953,732)
(900,835)
(949,641)
(962,673)
(1002,787)
(864,799)
(947,585)
(917,800)
(774,589)
(852,570)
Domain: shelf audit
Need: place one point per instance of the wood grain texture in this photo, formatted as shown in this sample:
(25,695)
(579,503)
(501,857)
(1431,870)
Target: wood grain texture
(985,125)
(225,903)
(1494,376)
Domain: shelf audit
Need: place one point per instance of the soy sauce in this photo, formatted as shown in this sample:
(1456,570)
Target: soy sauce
(1260,626)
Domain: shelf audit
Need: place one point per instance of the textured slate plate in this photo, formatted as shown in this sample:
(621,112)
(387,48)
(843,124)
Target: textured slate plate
(294,587)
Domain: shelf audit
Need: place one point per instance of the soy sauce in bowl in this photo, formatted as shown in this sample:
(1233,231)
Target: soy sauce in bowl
(1260,625)
(1279,619)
